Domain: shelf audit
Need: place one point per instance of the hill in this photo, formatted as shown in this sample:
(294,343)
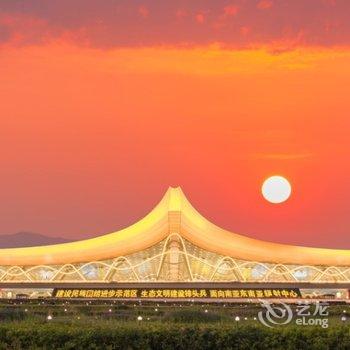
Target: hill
(28,239)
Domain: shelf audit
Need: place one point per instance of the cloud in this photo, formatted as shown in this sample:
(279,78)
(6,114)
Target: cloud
(245,30)
(223,19)
(283,156)
(200,18)
(143,11)
(22,30)
(209,61)
(107,26)
(231,10)
(264,4)
(288,41)
(181,13)
(330,2)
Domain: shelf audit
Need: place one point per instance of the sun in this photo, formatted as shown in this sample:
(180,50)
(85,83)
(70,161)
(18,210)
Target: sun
(276,189)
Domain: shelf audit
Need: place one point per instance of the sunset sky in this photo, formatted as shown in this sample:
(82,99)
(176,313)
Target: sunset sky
(104,104)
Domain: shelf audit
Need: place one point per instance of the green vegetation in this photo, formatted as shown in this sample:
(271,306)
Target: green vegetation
(163,326)
(126,335)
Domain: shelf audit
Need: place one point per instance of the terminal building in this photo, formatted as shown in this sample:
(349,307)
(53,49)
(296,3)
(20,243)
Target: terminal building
(174,252)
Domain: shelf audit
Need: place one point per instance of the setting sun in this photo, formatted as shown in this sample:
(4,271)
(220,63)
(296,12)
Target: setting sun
(276,189)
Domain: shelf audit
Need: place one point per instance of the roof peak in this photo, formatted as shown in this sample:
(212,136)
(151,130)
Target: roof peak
(175,198)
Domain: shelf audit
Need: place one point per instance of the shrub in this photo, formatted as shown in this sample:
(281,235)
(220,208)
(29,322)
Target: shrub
(148,335)
(191,316)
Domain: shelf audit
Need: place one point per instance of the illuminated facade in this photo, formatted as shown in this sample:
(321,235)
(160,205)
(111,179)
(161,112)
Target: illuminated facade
(174,243)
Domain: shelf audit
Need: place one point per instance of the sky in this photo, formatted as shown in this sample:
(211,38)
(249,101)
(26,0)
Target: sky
(104,104)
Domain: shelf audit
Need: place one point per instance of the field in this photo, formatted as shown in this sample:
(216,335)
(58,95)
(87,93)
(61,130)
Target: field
(109,325)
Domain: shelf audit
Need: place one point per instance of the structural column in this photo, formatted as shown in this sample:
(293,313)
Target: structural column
(174,245)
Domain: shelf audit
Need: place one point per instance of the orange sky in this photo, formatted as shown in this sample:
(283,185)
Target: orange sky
(91,136)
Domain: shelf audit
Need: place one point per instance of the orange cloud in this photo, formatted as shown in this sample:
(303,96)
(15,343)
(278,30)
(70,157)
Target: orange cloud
(224,25)
(245,30)
(330,2)
(200,18)
(29,30)
(143,11)
(283,156)
(222,21)
(264,4)
(231,10)
(21,28)
(207,60)
(181,13)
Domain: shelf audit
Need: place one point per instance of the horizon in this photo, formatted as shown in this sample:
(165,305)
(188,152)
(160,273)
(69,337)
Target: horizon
(60,239)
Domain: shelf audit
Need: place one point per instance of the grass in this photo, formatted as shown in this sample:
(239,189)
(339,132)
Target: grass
(109,325)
